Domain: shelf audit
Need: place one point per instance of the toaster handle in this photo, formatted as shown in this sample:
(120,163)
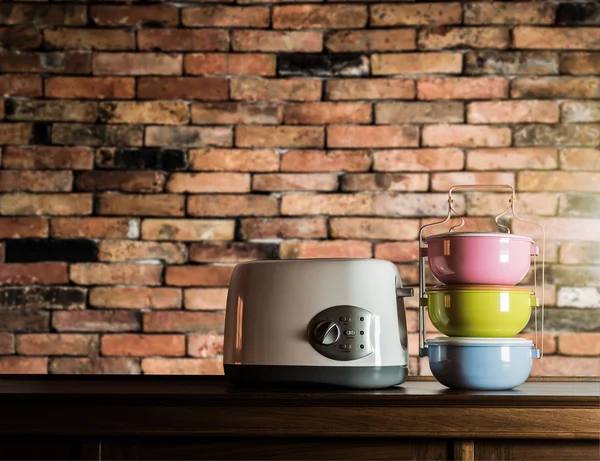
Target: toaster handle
(402,292)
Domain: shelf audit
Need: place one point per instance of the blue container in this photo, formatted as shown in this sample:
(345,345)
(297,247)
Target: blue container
(480,363)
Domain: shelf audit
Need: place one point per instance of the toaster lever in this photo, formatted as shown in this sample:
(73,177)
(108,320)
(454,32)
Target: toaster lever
(402,292)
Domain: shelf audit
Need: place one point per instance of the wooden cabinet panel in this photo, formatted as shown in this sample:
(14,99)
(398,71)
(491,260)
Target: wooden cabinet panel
(18,448)
(284,448)
(535,450)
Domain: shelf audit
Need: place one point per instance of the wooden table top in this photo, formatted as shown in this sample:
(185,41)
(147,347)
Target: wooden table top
(208,405)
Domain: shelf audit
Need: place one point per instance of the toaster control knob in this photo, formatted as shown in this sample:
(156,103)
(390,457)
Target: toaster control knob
(327,333)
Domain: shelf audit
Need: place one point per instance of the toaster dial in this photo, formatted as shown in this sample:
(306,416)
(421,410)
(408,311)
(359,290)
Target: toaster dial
(341,332)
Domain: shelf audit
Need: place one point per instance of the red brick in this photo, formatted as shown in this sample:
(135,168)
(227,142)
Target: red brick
(20,85)
(140,181)
(47,157)
(556,87)
(205,346)
(7,344)
(397,252)
(421,14)
(419,112)
(50,62)
(95,228)
(321,113)
(326,204)
(290,181)
(444,181)
(134,16)
(234,160)
(187,229)
(205,63)
(205,299)
(580,111)
(375,229)
(96,321)
(265,228)
(198,275)
(209,182)
(132,345)
(332,160)
(202,89)
(560,38)
(580,63)
(380,88)
(23,365)
(146,112)
(45,204)
(580,159)
(297,89)
(141,205)
(226,16)
(135,298)
(437,38)
(124,250)
(418,160)
(183,39)
(90,87)
(416,63)
(563,228)
(277,41)
(462,88)
(137,64)
(232,205)
(182,366)
(371,40)
(566,366)
(510,13)
(466,136)
(45,15)
(184,322)
(400,204)
(513,112)
(579,253)
(558,181)
(25,320)
(325,249)
(93,365)
(189,136)
(549,341)
(35,181)
(579,343)
(251,64)
(319,16)
(21,37)
(89,39)
(385,181)
(56,344)
(15,133)
(225,113)
(372,136)
(230,252)
(115,274)
(512,159)
(279,136)
(11,228)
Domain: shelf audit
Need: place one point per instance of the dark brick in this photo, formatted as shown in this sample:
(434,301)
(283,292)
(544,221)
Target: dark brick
(578,14)
(96,135)
(37,250)
(24,320)
(233,251)
(37,297)
(20,38)
(572,320)
(493,62)
(323,64)
(42,133)
(125,181)
(146,158)
(581,205)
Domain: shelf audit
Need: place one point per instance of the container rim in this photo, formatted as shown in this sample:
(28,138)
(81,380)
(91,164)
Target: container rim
(492,288)
(477,234)
(479,342)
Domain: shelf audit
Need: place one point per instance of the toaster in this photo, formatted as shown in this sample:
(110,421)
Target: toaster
(322,321)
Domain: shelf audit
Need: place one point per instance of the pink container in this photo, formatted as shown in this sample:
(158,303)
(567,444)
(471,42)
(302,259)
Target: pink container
(479,258)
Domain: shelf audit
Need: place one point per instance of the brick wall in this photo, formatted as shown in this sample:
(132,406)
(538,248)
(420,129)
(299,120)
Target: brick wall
(148,148)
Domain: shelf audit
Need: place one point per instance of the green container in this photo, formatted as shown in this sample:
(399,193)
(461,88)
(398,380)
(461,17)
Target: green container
(480,311)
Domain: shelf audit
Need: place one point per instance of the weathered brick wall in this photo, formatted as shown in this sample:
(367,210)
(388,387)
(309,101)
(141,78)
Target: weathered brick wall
(147,148)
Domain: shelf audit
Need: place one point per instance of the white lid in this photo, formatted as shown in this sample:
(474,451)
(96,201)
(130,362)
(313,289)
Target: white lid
(478,234)
(456,341)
